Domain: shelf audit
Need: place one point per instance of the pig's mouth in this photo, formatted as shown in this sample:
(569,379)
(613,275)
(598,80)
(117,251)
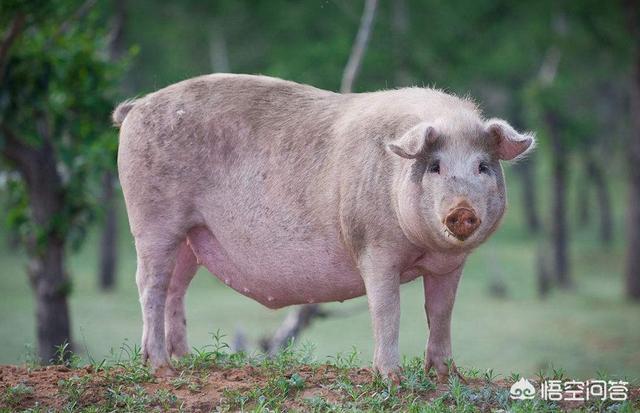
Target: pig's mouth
(451,238)
(450,234)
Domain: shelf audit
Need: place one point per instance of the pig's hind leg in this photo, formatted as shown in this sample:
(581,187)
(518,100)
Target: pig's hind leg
(156,262)
(175,318)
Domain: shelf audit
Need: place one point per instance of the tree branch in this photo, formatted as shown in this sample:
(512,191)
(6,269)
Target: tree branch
(359,47)
(10,36)
(549,68)
(16,151)
(77,15)
(290,328)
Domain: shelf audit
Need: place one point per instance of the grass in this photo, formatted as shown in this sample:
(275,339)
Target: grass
(214,379)
(584,332)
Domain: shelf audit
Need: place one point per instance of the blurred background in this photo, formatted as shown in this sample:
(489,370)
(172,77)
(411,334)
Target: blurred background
(557,287)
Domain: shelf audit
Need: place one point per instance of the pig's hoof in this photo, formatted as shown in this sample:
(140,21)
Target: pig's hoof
(444,371)
(164,371)
(395,377)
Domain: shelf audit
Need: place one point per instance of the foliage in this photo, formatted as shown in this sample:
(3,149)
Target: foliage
(59,87)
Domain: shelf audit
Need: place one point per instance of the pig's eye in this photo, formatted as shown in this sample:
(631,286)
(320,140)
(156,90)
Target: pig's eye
(434,167)
(483,168)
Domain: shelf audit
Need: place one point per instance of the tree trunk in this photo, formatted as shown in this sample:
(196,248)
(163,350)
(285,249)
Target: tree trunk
(526,169)
(584,201)
(108,241)
(46,268)
(45,247)
(542,269)
(632,270)
(51,287)
(559,234)
(400,32)
(108,258)
(633,209)
(596,176)
(352,69)
(218,53)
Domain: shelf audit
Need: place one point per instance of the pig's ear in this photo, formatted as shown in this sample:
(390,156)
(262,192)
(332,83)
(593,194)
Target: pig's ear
(508,142)
(414,143)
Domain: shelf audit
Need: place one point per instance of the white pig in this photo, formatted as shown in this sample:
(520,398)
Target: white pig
(291,195)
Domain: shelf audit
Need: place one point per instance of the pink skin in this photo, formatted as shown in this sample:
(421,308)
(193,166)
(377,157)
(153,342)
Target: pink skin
(307,197)
(440,293)
(381,287)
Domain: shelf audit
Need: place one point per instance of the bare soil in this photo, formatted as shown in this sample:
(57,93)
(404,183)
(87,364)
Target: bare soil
(200,393)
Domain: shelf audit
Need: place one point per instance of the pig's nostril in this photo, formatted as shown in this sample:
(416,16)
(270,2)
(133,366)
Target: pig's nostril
(462,222)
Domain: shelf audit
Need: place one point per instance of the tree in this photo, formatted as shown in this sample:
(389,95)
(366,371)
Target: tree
(633,209)
(544,94)
(56,85)
(108,240)
(598,179)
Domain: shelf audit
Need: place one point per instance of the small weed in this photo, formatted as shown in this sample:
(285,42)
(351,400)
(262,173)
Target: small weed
(490,376)
(269,397)
(541,376)
(285,359)
(236,398)
(13,396)
(469,372)
(457,390)
(123,398)
(319,404)
(64,356)
(380,395)
(198,360)
(213,354)
(559,373)
(415,378)
(73,388)
(127,353)
(181,381)
(132,372)
(188,381)
(130,368)
(165,399)
(514,377)
(346,361)
(30,356)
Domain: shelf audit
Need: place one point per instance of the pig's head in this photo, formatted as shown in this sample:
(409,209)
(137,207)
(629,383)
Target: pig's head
(450,192)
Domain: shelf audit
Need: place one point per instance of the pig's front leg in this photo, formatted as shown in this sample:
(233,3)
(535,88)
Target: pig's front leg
(440,294)
(382,284)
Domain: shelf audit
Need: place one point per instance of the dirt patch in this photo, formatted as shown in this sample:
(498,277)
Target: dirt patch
(231,389)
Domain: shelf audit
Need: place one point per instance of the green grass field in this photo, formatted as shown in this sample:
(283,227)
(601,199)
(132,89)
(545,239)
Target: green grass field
(585,331)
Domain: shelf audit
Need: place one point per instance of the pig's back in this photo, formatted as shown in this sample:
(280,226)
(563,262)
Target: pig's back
(253,160)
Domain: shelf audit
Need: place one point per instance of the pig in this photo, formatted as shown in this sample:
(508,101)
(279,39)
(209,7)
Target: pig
(293,195)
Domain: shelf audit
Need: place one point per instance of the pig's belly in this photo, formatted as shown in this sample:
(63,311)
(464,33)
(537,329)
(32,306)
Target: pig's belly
(279,273)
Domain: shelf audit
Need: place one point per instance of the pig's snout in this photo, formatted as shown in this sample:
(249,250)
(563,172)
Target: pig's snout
(462,222)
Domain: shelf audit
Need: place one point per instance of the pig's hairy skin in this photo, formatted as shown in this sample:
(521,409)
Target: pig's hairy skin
(290,195)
